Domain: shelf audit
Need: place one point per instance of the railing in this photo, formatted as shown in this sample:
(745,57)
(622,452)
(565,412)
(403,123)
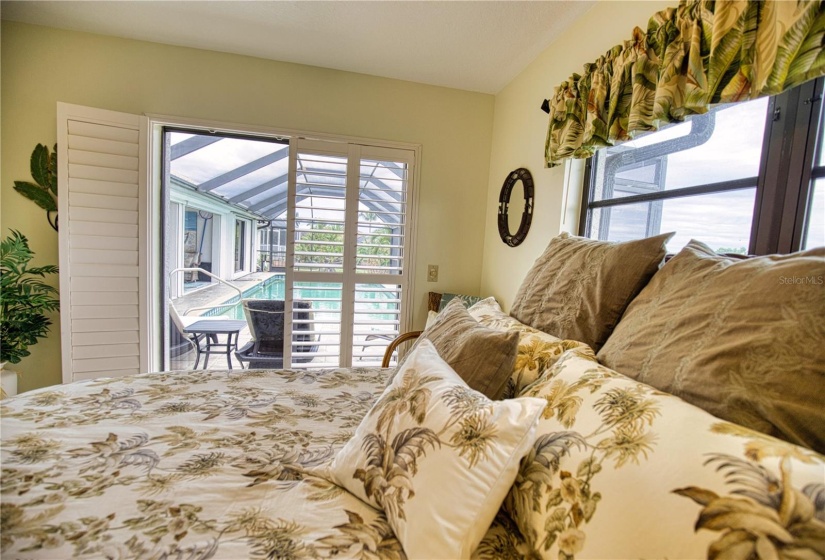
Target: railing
(219,279)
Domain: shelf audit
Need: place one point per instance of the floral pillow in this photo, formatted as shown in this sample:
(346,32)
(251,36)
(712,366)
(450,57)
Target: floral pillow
(537,350)
(621,470)
(436,456)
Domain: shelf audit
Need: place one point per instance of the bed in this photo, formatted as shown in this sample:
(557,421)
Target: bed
(216,464)
(203,464)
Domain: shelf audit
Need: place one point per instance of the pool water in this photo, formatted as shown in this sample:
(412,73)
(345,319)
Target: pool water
(324,296)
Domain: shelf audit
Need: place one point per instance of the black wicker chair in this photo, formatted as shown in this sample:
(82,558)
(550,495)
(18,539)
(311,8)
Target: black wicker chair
(265,318)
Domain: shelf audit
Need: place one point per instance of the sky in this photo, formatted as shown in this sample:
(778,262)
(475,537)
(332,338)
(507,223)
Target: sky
(721,220)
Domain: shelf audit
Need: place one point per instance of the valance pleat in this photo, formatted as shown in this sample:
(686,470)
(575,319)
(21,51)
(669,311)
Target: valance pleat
(702,53)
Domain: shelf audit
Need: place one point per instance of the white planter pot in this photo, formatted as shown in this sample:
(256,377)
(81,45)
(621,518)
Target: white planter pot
(8,379)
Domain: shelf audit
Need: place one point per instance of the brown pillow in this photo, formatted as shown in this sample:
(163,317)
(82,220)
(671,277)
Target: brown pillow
(744,340)
(579,288)
(483,357)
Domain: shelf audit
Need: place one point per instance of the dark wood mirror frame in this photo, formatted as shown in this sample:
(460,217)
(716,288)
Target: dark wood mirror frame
(523,175)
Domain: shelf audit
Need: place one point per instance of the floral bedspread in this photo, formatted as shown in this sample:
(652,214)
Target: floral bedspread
(203,464)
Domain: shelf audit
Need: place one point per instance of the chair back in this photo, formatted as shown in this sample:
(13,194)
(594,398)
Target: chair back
(265,318)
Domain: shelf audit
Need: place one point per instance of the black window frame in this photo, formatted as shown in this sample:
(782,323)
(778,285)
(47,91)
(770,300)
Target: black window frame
(783,187)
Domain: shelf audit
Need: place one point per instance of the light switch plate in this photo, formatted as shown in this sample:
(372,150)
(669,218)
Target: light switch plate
(432,273)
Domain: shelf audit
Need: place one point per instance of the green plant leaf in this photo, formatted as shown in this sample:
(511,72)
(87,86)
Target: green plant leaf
(40,196)
(40,165)
(24,298)
(53,171)
(36,194)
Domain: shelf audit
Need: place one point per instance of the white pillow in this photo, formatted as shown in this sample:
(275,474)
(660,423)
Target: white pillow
(454,455)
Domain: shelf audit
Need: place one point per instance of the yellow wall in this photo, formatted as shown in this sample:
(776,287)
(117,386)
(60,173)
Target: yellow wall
(519,131)
(41,66)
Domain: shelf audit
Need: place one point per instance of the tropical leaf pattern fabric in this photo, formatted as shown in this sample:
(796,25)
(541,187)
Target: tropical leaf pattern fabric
(701,53)
(537,350)
(436,456)
(199,464)
(621,470)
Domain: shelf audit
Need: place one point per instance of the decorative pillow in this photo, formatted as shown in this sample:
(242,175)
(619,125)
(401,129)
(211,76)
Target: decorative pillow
(483,357)
(436,456)
(742,339)
(536,352)
(620,470)
(579,288)
(447,298)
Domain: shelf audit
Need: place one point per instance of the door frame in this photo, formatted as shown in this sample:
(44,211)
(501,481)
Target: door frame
(156,305)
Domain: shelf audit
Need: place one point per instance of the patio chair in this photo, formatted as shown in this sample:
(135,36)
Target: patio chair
(265,318)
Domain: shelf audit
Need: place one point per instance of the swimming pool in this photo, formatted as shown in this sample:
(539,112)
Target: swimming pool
(324,297)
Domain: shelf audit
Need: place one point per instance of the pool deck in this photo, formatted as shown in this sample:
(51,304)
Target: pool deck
(216,294)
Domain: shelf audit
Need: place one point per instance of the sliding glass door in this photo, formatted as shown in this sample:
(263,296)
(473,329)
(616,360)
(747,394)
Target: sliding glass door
(314,234)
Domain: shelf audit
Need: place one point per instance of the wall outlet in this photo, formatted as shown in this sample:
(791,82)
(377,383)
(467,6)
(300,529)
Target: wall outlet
(432,273)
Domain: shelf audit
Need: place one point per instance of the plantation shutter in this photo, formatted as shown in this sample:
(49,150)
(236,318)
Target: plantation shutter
(317,229)
(348,219)
(102,239)
(381,249)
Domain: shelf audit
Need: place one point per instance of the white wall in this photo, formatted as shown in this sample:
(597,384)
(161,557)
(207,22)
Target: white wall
(519,132)
(41,66)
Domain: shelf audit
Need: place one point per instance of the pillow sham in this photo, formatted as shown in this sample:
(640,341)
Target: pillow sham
(579,288)
(621,470)
(536,350)
(436,456)
(447,298)
(483,357)
(742,339)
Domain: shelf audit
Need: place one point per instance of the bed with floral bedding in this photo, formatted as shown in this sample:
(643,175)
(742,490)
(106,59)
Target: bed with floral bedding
(211,464)
(202,464)
(570,460)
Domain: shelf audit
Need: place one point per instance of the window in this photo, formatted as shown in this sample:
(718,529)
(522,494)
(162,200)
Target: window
(742,178)
(240,245)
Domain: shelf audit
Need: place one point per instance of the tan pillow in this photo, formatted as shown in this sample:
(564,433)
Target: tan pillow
(744,340)
(537,351)
(579,288)
(483,357)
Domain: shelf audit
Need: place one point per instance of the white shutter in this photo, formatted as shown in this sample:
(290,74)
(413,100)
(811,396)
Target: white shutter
(102,238)
(317,232)
(381,247)
(348,229)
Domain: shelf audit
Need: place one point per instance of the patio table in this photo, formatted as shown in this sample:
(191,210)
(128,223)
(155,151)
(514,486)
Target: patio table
(207,331)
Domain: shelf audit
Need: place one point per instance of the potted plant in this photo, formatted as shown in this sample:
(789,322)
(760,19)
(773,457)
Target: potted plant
(24,301)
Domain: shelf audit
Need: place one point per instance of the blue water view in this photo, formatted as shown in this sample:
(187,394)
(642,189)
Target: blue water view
(324,296)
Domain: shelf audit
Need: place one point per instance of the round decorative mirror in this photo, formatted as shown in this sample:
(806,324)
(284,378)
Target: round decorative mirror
(506,214)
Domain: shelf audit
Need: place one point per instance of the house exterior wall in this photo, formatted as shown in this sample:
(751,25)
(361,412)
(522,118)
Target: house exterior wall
(519,132)
(40,66)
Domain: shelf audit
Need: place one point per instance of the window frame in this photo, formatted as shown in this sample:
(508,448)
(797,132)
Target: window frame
(240,254)
(787,170)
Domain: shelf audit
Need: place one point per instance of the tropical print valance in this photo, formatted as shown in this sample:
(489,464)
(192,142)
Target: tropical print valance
(702,53)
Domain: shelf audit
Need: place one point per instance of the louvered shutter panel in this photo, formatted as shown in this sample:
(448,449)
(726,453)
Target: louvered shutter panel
(101,189)
(316,254)
(381,247)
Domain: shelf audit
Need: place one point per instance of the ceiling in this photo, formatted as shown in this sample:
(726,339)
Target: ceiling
(472,45)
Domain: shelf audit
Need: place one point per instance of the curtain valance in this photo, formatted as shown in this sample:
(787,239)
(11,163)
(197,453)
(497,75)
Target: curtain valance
(702,53)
